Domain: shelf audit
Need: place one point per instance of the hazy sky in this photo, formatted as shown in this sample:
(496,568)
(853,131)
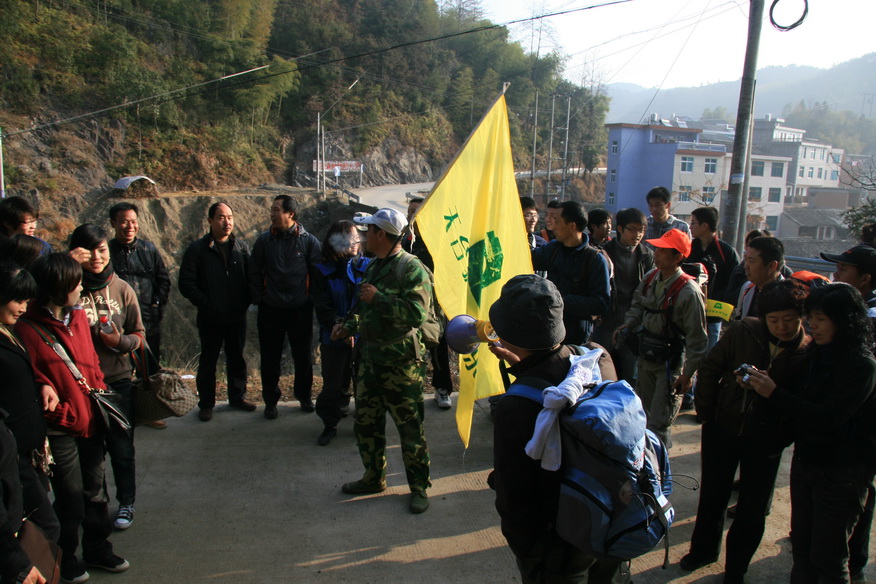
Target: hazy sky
(684,43)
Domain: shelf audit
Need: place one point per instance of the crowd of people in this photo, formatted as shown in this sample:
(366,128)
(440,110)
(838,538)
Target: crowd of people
(791,364)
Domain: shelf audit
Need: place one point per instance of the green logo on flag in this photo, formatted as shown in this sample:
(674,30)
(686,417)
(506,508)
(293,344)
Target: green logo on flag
(485,259)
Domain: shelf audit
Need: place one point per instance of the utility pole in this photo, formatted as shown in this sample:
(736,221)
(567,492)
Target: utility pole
(734,207)
(2,179)
(566,145)
(534,137)
(547,189)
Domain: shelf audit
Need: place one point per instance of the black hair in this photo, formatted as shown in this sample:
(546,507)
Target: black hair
(781,295)
(211,212)
(56,275)
(769,248)
(597,218)
(342,227)
(630,215)
(21,249)
(661,193)
(416,200)
(757,233)
(13,212)
(553,204)
(574,212)
(286,202)
(16,283)
(707,216)
(121,208)
(88,236)
(868,234)
(845,307)
(527,203)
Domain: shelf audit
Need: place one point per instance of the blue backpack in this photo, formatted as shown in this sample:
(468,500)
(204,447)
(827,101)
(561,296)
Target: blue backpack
(616,473)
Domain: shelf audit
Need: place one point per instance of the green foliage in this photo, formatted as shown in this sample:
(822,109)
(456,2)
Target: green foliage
(856,217)
(845,129)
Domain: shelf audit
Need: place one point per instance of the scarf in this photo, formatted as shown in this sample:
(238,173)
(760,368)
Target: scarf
(95,282)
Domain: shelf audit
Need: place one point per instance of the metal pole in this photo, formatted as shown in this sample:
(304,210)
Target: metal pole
(566,148)
(550,151)
(317,150)
(323,163)
(534,137)
(2,179)
(734,207)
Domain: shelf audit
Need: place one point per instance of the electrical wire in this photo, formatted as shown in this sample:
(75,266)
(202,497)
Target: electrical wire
(799,21)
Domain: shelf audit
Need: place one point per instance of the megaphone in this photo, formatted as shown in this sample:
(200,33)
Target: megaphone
(464,333)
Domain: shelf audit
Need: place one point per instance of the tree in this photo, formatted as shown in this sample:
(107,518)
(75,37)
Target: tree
(856,217)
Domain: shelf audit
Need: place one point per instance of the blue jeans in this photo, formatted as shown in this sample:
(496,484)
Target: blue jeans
(120,447)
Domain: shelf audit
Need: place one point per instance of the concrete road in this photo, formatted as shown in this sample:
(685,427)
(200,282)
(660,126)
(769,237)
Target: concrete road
(392,196)
(247,500)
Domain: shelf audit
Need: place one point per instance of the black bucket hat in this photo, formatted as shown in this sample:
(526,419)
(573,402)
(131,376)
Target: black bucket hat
(529,313)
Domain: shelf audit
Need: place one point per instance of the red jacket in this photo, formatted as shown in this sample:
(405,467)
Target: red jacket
(74,414)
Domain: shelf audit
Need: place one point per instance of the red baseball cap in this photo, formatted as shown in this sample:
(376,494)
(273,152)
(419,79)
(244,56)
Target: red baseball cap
(673,239)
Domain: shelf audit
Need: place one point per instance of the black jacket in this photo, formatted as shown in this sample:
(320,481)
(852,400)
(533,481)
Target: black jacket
(220,291)
(581,276)
(725,260)
(13,560)
(20,398)
(279,270)
(140,265)
(833,409)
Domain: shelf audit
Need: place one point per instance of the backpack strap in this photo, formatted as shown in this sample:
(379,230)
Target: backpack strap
(529,387)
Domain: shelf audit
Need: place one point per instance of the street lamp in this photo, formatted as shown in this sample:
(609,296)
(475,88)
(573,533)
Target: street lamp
(320,140)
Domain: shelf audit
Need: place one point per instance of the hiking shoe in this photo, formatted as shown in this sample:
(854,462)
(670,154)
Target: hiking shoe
(271,412)
(245,405)
(419,502)
(327,435)
(307,406)
(158,424)
(360,487)
(110,563)
(690,562)
(442,398)
(206,414)
(73,572)
(125,517)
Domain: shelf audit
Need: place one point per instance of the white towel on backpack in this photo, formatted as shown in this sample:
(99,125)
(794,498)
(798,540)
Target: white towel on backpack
(546,444)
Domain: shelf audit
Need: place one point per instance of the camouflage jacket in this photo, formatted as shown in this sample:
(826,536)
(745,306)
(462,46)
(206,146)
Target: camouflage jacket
(389,325)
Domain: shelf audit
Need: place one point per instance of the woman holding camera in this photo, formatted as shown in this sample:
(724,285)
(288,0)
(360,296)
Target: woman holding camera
(833,412)
(743,430)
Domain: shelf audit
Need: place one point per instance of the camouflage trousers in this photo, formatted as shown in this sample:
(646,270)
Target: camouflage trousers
(397,389)
(662,405)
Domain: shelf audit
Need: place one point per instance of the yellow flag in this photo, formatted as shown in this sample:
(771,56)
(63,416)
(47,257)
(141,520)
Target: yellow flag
(721,309)
(472,225)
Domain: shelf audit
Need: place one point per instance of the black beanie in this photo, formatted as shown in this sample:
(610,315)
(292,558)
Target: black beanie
(529,313)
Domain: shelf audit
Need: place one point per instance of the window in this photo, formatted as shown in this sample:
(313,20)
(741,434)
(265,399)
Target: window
(834,175)
(711,165)
(708,195)
(804,153)
(610,199)
(836,158)
(757,167)
(822,154)
(802,171)
(811,171)
(614,147)
(687,164)
(812,154)
(820,170)
(777,169)
(754,193)
(684,194)
(772,222)
(613,175)
(775,195)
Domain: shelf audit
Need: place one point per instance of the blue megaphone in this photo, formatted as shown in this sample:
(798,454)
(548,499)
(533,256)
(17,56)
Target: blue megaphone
(464,333)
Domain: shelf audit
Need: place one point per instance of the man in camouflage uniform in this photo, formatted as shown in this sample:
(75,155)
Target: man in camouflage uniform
(394,304)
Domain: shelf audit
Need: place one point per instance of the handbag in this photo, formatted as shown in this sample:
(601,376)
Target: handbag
(42,553)
(107,401)
(159,394)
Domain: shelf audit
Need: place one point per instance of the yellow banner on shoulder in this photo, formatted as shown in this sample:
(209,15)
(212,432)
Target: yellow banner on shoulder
(719,309)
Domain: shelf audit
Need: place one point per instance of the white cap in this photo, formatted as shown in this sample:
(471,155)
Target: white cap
(390,220)
(361,215)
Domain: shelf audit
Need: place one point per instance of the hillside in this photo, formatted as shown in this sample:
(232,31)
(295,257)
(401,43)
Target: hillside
(779,91)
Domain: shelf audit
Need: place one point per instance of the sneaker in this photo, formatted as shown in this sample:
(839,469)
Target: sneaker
(110,563)
(206,414)
(125,517)
(442,398)
(271,412)
(419,502)
(73,573)
(362,488)
(327,435)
